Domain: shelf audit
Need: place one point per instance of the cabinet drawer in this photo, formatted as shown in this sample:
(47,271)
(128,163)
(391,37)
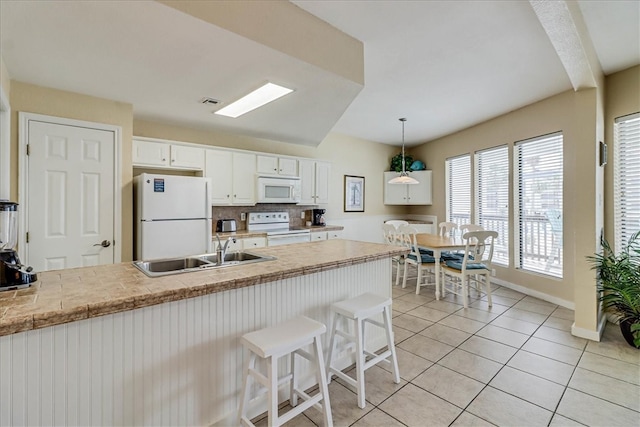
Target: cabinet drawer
(254,242)
(318,236)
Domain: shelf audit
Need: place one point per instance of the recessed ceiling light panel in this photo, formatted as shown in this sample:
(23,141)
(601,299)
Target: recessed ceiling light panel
(259,97)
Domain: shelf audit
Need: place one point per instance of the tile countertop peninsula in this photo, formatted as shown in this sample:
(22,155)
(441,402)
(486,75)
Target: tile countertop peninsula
(63,296)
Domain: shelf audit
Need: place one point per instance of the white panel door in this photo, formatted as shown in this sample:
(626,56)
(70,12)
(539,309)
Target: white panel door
(70,196)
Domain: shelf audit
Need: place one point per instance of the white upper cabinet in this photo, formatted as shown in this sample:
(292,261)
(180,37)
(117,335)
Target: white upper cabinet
(405,194)
(272,165)
(314,179)
(160,154)
(232,177)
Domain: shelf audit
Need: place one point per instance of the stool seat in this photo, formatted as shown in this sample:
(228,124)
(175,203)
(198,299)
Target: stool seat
(284,337)
(362,306)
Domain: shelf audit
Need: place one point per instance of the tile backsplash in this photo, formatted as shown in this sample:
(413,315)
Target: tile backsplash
(234,212)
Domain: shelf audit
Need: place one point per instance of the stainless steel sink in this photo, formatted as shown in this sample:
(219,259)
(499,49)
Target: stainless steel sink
(164,267)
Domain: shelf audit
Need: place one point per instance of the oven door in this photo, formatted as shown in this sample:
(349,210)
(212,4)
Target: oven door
(278,190)
(286,239)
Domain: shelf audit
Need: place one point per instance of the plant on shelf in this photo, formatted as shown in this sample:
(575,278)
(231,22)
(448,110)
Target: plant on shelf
(618,284)
(396,162)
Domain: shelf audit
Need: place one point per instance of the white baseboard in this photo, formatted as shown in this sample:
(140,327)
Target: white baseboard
(540,295)
(589,334)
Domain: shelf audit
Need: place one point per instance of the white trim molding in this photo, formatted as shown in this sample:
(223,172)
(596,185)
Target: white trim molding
(589,334)
(5,146)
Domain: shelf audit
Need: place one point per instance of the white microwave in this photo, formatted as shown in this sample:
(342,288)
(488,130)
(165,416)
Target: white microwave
(278,189)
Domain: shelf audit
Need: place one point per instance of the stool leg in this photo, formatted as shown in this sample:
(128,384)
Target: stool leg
(293,397)
(391,344)
(272,391)
(360,362)
(322,384)
(244,397)
(332,343)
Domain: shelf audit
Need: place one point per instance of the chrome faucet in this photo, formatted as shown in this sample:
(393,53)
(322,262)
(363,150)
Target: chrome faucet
(221,250)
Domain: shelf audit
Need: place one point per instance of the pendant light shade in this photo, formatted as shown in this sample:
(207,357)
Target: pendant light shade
(404,177)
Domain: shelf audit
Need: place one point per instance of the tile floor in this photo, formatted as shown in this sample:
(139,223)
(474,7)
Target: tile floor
(515,364)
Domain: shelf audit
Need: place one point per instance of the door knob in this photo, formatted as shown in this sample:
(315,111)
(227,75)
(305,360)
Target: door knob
(104,244)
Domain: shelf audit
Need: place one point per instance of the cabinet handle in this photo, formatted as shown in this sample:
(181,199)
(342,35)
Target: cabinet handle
(227,196)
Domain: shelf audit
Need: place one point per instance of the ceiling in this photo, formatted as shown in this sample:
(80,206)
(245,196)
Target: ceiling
(444,65)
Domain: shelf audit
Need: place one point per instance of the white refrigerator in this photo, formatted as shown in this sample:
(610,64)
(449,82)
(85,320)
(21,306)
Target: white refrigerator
(173,216)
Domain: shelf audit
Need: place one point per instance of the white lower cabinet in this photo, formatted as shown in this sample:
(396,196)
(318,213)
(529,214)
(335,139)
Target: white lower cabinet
(334,234)
(318,236)
(254,242)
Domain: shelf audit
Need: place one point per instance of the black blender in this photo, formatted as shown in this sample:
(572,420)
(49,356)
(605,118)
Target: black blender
(13,275)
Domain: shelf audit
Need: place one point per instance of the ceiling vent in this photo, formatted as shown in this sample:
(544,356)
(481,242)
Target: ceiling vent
(209,101)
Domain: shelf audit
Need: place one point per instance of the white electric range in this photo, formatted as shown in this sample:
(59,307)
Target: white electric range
(276,226)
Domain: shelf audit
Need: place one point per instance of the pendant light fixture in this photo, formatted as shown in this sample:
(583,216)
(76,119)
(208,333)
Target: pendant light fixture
(404,177)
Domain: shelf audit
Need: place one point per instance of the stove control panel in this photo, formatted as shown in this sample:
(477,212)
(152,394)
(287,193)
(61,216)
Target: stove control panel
(268,218)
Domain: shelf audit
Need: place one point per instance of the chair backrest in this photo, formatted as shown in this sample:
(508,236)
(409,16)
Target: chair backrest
(447,229)
(470,227)
(407,238)
(397,222)
(390,234)
(479,248)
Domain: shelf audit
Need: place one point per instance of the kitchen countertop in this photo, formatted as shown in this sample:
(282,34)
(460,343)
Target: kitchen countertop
(63,296)
(241,234)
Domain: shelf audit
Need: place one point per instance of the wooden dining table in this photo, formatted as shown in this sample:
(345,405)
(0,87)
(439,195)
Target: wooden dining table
(437,244)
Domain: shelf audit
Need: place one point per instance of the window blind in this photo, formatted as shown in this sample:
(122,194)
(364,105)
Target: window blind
(458,184)
(539,179)
(492,197)
(626,180)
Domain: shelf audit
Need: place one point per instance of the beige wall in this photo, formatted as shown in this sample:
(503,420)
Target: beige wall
(5,79)
(37,99)
(573,113)
(622,98)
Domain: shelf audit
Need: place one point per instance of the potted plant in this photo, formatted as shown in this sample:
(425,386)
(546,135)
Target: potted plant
(618,284)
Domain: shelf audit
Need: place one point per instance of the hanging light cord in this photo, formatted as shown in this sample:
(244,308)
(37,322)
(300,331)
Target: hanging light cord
(404,172)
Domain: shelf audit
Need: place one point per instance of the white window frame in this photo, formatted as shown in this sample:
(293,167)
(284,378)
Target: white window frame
(553,249)
(626,178)
(448,188)
(500,191)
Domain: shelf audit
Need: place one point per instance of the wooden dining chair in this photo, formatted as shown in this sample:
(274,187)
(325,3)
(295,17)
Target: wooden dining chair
(391,236)
(425,263)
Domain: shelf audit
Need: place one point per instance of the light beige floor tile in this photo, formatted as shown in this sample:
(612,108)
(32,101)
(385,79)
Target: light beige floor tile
(542,366)
(607,388)
(502,300)
(378,384)
(539,301)
(477,314)
(425,347)
(560,421)
(564,313)
(612,367)
(398,291)
(344,407)
(471,365)
(502,335)
(445,334)
(411,323)
(404,306)
(449,385)
(492,350)
(416,407)
(613,345)
(592,411)
(299,421)
(400,334)
(469,420)
(446,306)
(395,314)
(419,299)
(428,313)
(377,418)
(409,364)
(509,293)
(559,323)
(515,325)
(552,350)
(505,410)
(467,325)
(535,308)
(528,387)
(457,299)
(560,337)
(527,316)
(495,308)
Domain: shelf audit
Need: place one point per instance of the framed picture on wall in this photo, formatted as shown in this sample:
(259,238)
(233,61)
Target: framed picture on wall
(353,193)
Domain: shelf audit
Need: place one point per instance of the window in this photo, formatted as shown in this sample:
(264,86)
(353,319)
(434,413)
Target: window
(626,178)
(538,176)
(459,189)
(492,197)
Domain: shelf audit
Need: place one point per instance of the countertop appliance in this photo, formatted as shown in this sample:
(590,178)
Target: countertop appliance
(13,275)
(173,216)
(276,225)
(318,217)
(278,189)
(226,225)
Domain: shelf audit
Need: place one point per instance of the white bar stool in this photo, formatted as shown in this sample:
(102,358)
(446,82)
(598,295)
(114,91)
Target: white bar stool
(271,344)
(361,309)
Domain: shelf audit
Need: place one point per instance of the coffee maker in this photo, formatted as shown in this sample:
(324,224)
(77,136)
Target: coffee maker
(13,275)
(318,217)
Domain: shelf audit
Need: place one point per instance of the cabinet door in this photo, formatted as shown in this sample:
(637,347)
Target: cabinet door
(146,153)
(254,242)
(288,167)
(394,194)
(218,168)
(267,165)
(244,179)
(420,194)
(322,182)
(334,234)
(307,174)
(318,236)
(187,157)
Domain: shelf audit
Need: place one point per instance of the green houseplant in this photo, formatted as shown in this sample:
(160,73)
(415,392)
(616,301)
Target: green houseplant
(619,285)
(396,162)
